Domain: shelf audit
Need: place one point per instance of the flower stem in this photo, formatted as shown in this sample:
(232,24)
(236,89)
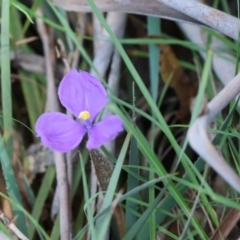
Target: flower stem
(64,196)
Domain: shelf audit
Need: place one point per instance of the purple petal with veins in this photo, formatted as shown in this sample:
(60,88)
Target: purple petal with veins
(79,91)
(104,131)
(59,132)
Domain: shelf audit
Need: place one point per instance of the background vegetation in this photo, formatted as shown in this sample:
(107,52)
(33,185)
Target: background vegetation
(159,80)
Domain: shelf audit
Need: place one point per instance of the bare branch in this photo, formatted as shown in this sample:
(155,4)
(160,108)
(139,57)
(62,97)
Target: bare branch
(52,105)
(142,7)
(8,223)
(200,142)
(219,21)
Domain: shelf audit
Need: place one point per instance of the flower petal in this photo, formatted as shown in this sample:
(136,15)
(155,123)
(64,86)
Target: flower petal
(59,132)
(79,91)
(104,131)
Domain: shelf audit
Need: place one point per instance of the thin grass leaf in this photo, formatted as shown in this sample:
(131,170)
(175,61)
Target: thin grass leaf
(55,234)
(33,9)
(137,227)
(187,223)
(86,196)
(132,180)
(6,152)
(132,183)
(153,29)
(147,41)
(21,209)
(170,202)
(80,220)
(31,92)
(129,168)
(33,99)
(3,229)
(120,200)
(29,191)
(102,223)
(15,4)
(32,13)
(204,81)
(150,155)
(43,192)
(5,76)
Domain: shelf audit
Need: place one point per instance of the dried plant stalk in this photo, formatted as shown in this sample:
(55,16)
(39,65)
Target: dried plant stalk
(211,17)
(227,225)
(53,105)
(142,7)
(8,223)
(200,142)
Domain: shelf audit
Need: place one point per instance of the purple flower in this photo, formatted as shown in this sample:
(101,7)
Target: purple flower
(84,96)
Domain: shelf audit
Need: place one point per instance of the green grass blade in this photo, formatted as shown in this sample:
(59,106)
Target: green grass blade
(55,234)
(6,152)
(33,100)
(132,183)
(5,69)
(29,192)
(6,231)
(202,88)
(11,185)
(122,199)
(31,92)
(102,223)
(21,208)
(15,4)
(86,196)
(43,192)
(153,29)
(136,226)
(150,155)
(170,202)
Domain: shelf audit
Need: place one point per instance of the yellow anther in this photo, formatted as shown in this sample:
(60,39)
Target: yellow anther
(85,115)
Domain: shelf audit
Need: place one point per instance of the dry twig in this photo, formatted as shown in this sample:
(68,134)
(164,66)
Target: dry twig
(9,224)
(52,105)
(226,226)
(217,20)
(198,137)
(142,7)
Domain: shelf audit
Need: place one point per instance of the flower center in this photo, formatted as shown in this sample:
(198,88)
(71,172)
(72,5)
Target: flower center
(84,119)
(85,115)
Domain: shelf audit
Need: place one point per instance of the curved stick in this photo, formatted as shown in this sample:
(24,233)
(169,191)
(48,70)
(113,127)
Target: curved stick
(200,142)
(218,20)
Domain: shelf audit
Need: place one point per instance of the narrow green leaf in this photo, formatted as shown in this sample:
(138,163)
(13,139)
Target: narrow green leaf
(153,29)
(15,4)
(132,183)
(21,209)
(103,223)
(6,150)
(86,196)
(5,72)
(43,192)
(120,200)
